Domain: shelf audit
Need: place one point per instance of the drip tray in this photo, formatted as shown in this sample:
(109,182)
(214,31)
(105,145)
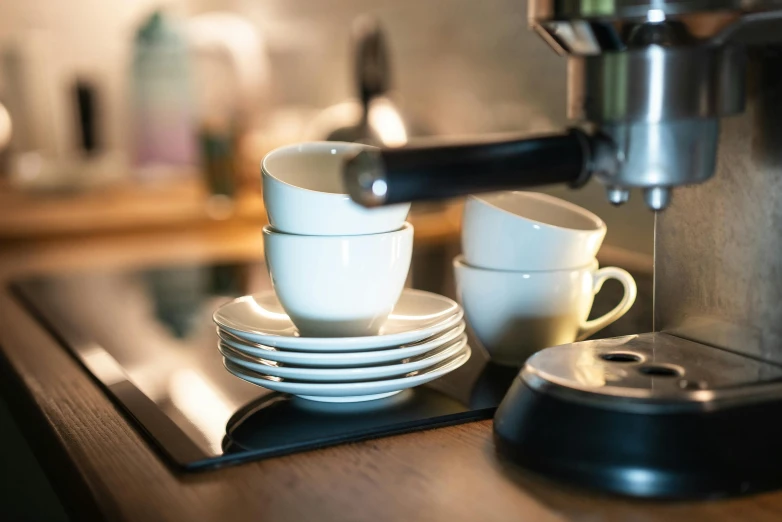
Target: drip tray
(148,339)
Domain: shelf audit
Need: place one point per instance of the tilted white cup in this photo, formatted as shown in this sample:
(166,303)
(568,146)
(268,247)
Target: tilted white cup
(304,194)
(338,286)
(528,231)
(516,313)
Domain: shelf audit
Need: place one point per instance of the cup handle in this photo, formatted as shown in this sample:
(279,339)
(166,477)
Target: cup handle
(600,277)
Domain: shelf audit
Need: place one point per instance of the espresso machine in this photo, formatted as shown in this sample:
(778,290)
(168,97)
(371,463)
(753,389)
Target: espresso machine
(678,102)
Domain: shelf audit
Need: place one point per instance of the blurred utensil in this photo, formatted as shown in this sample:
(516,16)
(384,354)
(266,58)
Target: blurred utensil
(373,117)
(87,110)
(232,74)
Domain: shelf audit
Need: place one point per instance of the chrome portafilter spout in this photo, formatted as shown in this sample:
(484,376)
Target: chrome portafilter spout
(659,100)
(386,176)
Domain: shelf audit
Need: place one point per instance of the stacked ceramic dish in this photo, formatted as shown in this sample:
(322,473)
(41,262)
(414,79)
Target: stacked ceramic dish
(422,339)
(339,326)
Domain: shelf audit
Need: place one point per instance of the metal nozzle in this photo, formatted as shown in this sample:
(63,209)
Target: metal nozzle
(657,198)
(617,195)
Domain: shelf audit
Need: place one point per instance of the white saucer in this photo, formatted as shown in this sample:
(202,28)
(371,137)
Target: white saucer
(344,359)
(412,364)
(351,391)
(260,319)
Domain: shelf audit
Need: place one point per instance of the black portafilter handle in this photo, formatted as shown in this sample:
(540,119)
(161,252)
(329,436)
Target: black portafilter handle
(397,175)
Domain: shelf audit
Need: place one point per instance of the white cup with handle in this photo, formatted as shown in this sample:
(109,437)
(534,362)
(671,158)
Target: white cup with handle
(528,231)
(516,313)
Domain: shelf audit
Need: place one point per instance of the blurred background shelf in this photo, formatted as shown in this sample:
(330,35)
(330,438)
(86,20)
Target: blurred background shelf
(116,208)
(185,205)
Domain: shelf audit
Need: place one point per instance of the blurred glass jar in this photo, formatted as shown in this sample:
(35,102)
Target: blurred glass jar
(163,105)
(231,69)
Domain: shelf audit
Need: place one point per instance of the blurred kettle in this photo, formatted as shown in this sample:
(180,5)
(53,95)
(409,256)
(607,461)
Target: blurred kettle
(373,117)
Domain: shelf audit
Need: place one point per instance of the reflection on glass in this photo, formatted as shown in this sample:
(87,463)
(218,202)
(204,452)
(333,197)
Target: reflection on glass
(202,403)
(179,293)
(588,369)
(102,364)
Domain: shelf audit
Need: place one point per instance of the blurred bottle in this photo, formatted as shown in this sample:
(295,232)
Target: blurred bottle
(163,107)
(87,106)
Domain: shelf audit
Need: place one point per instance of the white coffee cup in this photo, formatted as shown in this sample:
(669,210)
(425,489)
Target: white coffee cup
(528,231)
(338,286)
(304,193)
(516,313)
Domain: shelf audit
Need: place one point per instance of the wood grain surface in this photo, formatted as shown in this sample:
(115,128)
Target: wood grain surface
(101,466)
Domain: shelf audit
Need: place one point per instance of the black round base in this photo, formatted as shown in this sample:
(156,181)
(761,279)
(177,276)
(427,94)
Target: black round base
(730,451)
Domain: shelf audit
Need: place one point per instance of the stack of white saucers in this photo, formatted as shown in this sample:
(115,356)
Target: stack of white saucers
(422,340)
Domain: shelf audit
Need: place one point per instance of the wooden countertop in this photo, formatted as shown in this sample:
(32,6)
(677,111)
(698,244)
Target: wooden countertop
(102,467)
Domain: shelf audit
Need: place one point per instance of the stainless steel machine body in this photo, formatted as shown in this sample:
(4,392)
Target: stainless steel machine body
(669,96)
(704,391)
(660,78)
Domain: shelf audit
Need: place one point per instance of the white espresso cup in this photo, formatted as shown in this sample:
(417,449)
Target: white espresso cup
(338,286)
(304,193)
(528,231)
(516,313)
